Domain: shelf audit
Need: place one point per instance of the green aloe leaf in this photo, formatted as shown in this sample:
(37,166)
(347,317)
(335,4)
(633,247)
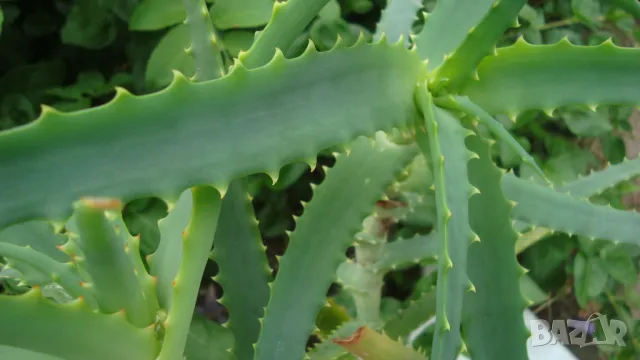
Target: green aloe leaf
(164,263)
(523,77)
(446,27)
(404,252)
(543,206)
(237,239)
(396,20)
(236,41)
(113,279)
(328,350)
(243,269)
(466,105)
(197,241)
(493,268)
(441,139)
(64,274)
(208,340)
(37,234)
(318,244)
(480,42)
(598,181)
(288,20)
(204,121)
(205,45)
(583,187)
(169,55)
(75,332)
(531,291)
(408,319)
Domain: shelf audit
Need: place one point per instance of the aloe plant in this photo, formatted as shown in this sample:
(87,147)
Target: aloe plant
(405,115)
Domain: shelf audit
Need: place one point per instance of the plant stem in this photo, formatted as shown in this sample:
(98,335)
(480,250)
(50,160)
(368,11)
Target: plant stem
(367,299)
(554,24)
(196,244)
(368,251)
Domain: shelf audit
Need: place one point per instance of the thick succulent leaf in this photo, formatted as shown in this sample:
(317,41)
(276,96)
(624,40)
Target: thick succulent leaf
(113,280)
(169,55)
(237,40)
(318,244)
(419,174)
(209,123)
(208,340)
(463,103)
(330,318)
(493,268)
(409,319)
(524,76)
(147,282)
(461,65)
(447,27)
(598,181)
(25,273)
(396,20)
(328,350)
(583,187)
(543,206)
(196,245)
(530,237)
(404,252)
(64,274)
(164,263)
(227,14)
(367,344)
(236,213)
(243,269)
(448,156)
(205,46)
(74,331)
(288,20)
(40,235)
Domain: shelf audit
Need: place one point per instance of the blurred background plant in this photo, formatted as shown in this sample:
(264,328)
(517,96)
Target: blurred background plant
(71,54)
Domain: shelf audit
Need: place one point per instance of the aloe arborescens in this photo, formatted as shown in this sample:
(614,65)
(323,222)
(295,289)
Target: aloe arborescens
(381,105)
